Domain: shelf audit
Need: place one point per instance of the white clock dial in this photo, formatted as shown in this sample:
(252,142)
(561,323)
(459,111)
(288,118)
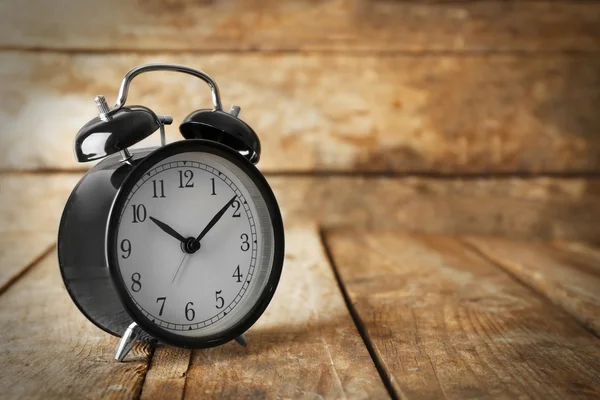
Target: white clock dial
(182,285)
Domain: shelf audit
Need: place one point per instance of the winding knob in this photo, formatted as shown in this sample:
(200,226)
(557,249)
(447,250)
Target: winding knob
(235,110)
(103,108)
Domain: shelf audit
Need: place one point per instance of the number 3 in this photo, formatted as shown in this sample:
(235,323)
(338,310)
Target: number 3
(245,244)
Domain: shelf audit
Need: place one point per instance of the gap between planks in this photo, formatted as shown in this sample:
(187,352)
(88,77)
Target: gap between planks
(523,282)
(362,330)
(12,280)
(152,351)
(360,285)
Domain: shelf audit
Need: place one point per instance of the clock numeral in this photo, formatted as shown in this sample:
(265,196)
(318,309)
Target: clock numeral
(125,248)
(237,274)
(212,180)
(139,213)
(136,286)
(236,205)
(162,306)
(190,314)
(245,244)
(219,299)
(187,174)
(159,189)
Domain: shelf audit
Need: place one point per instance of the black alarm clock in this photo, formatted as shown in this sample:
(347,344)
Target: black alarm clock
(181,244)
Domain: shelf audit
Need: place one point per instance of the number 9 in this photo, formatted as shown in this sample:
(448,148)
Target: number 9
(126,248)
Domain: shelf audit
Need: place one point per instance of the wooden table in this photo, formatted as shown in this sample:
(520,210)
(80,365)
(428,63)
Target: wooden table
(360,313)
(436,163)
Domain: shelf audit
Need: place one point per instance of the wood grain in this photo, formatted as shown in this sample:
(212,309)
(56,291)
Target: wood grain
(568,278)
(304,346)
(540,208)
(49,350)
(167,373)
(587,251)
(30,207)
(477,114)
(346,25)
(446,323)
(18,251)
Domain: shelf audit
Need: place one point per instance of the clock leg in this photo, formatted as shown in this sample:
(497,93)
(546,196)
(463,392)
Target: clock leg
(132,333)
(242,340)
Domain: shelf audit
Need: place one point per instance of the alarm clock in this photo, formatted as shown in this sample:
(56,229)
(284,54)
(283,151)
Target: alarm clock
(181,244)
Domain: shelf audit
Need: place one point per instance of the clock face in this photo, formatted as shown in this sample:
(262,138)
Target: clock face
(193,244)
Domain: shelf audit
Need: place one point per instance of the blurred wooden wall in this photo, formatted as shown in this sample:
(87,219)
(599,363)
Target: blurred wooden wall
(477,117)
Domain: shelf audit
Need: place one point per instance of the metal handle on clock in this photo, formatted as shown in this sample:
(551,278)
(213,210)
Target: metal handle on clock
(123,91)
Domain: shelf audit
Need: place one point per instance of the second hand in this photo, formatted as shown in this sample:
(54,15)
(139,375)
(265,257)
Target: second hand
(178,268)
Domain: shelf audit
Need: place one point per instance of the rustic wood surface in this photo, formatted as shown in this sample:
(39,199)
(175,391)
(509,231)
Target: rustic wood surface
(536,208)
(583,250)
(442,321)
(167,374)
(379,121)
(19,251)
(567,278)
(447,323)
(274,25)
(33,202)
(539,208)
(49,350)
(446,114)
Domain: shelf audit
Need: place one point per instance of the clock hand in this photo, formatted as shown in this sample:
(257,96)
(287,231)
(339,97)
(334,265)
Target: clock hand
(172,232)
(166,228)
(215,219)
(178,268)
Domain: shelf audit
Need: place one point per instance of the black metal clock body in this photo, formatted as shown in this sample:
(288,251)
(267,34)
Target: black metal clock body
(97,239)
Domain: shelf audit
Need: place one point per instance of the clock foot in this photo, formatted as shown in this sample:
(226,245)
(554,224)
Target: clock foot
(242,340)
(132,333)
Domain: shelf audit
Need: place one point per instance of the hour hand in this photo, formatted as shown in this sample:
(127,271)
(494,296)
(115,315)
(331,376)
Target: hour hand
(166,228)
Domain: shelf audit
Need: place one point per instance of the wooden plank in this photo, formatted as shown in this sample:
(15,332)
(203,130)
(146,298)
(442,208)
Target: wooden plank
(347,25)
(30,207)
(49,350)
(569,279)
(581,250)
(33,203)
(448,114)
(446,323)
(541,208)
(167,373)
(304,346)
(18,252)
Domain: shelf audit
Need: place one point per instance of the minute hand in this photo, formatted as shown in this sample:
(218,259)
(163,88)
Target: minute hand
(215,219)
